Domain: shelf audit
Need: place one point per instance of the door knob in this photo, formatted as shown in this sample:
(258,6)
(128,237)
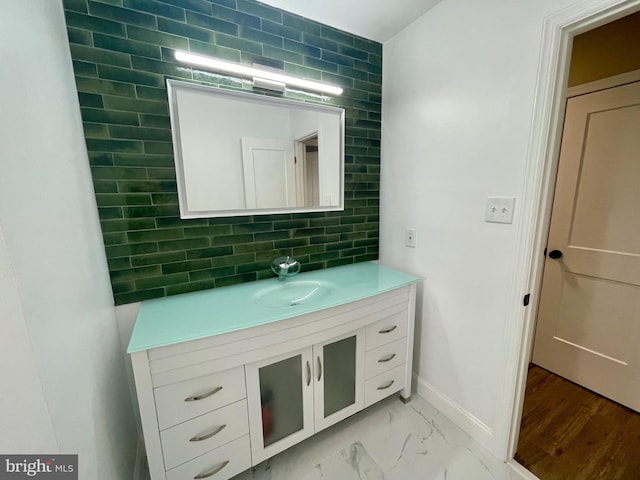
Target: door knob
(555,254)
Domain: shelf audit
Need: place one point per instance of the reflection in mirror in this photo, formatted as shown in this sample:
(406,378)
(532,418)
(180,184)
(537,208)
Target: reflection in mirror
(239,153)
(307,173)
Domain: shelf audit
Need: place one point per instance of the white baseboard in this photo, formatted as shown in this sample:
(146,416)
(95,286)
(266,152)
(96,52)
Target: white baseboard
(475,428)
(520,472)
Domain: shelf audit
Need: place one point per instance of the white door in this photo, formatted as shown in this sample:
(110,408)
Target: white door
(339,379)
(269,173)
(588,328)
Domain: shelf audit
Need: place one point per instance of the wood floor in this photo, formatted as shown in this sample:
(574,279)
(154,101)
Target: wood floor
(571,433)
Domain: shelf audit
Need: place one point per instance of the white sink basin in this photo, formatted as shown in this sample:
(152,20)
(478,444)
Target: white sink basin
(290,293)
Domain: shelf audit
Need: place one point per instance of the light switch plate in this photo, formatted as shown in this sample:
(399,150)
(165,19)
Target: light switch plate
(499,209)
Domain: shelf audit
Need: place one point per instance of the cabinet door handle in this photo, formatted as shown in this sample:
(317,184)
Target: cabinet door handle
(319,368)
(388,358)
(208,435)
(388,330)
(212,472)
(308,373)
(384,387)
(203,395)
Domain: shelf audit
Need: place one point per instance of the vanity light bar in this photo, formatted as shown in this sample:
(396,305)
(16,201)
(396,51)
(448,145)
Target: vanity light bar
(269,84)
(246,71)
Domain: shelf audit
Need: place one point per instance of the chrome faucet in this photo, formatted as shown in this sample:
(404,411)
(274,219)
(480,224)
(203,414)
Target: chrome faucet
(285,267)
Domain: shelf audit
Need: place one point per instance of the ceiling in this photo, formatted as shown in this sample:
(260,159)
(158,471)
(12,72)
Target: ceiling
(377,20)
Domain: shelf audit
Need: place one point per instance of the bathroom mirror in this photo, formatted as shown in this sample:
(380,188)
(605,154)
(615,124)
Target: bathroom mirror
(240,153)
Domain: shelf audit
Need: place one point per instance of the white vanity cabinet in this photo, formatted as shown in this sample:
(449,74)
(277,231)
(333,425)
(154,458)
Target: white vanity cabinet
(215,405)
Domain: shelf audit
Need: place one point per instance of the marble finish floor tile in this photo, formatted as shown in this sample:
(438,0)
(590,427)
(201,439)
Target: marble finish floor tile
(351,463)
(388,441)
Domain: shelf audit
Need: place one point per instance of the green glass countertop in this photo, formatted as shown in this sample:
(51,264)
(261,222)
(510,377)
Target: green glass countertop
(191,316)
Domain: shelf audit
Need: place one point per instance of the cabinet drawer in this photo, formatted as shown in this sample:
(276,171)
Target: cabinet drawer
(387,330)
(385,357)
(181,401)
(203,434)
(226,461)
(383,385)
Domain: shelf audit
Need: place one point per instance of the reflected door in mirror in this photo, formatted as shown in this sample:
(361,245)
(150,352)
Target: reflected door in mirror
(269,173)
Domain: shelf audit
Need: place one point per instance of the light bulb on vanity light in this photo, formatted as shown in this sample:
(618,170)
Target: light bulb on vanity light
(257,74)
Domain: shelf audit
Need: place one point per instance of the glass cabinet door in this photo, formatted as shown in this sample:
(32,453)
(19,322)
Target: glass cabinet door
(280,399)
(339,379)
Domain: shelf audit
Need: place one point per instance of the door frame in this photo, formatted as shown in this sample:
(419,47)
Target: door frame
(538,189)
(300,154)
(248,146)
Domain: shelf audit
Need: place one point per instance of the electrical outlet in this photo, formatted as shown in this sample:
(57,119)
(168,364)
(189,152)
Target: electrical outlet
(410,237)
(499,209)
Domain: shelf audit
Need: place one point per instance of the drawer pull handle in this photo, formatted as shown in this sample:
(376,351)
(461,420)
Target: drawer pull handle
(319,369)
(388,330)
(384,387)
(308,373)
(211,473)
(388,358)
(203,395)
(208,435)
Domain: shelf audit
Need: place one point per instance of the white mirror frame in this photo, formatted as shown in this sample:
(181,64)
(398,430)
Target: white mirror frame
(173,86)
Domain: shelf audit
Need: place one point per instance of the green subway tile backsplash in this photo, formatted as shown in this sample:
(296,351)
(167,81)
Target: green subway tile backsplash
(258,9)
(210,23)
(156,8)
(125,46)
(122,55)
(76,5)
(234,16)
(94,24)
(104,57)
(184,30)
(154,37)
(123,15)
(202,6)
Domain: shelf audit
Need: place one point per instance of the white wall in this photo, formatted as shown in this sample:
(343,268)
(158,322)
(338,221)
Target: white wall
(458,97)
(62,309)
(19,374)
